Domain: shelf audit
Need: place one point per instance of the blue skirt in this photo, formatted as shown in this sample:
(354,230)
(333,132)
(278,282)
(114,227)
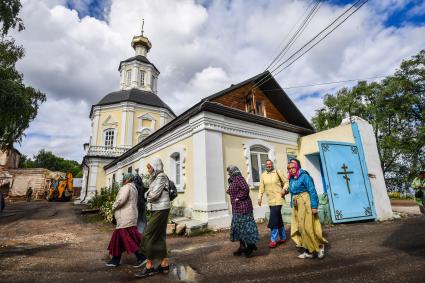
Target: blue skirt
(244,229)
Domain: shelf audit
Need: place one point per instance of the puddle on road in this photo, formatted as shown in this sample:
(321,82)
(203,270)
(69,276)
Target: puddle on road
(183,273)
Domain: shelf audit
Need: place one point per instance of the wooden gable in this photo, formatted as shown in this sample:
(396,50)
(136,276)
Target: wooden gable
(251,100)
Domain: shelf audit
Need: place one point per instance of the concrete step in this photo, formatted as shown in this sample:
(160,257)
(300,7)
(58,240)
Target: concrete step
(193,226)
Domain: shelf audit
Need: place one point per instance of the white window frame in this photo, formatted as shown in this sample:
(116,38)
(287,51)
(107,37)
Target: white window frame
(142,77)
(128,77)
(259,154)
(114,137)
(247,154)
(173,165)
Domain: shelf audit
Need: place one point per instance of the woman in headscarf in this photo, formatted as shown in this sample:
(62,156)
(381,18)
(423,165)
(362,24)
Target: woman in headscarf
(306,230)
(243,228)
(158,202)
(275,185)
(125,237)
(141,203)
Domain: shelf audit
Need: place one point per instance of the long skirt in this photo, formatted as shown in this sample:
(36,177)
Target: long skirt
(153,244)
(275,219)
(244,229)
(124,239)
(306,230)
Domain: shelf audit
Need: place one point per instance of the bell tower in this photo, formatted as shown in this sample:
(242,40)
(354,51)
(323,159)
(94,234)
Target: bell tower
(138,72)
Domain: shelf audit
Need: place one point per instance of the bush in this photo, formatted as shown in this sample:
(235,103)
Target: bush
(398,195)
(104,201)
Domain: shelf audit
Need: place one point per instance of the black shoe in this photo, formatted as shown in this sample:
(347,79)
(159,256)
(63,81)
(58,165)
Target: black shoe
(112,263)
(145,273)
(163,269)
(248,252)
(239,251)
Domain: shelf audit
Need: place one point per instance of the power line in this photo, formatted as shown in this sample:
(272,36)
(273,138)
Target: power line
(327,83)
(311,47)
(265,79)
(291,41)
(290,31)
(319,34)
(297,33)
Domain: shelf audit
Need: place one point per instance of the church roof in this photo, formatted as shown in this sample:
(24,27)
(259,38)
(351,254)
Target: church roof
(139,58)
(133,95)
(297,123)
(273,91)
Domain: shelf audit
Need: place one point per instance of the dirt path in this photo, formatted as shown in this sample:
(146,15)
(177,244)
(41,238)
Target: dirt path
(41,242)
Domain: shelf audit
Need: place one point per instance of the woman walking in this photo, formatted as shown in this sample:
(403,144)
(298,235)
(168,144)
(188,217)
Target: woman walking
(141,204)
(158,202)
(125,237)
(275,186)
(306,230)
(243,228)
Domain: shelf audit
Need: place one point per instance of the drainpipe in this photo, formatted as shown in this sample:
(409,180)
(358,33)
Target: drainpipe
(87,179)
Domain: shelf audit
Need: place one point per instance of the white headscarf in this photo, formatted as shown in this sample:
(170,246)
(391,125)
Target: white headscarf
(157,165)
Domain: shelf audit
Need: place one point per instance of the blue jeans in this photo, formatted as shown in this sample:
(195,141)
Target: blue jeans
(277,232)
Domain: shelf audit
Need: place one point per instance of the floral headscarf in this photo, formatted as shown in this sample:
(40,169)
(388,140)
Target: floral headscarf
(297,168)
(128,177)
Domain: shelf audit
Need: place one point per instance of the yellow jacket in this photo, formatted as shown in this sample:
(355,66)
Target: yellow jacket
(271,184)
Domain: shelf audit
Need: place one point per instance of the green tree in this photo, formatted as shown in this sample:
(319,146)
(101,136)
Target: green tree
(46,159)
(18,103)
(395,108)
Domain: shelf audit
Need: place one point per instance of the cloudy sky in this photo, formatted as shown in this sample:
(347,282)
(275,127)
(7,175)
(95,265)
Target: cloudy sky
(73,49)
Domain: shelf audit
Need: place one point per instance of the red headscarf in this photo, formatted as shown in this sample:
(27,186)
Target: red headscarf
(297,168)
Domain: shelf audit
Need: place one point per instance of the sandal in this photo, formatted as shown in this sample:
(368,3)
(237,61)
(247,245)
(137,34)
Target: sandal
(163,269)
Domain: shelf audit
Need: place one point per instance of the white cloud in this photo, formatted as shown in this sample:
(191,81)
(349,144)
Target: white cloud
(199,49)
(61,126)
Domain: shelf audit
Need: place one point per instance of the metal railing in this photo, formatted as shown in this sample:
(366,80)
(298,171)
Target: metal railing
(95,150)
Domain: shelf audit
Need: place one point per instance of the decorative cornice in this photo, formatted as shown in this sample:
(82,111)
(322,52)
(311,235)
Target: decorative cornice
(211,122)
(136,106)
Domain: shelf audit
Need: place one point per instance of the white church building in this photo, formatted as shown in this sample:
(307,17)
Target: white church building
(242,125)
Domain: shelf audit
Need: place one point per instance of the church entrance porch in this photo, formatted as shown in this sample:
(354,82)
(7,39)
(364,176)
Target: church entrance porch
(344,165)
(346,182)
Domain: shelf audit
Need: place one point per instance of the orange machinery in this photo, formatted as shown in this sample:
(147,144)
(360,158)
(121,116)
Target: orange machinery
(61,189)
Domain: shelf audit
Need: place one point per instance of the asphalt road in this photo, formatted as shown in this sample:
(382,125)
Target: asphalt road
(42,242)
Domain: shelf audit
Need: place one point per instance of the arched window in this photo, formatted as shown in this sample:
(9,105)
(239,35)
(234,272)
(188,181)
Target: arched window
(259,155)
(109,138)
(128,77)
(176,169)
(142,78)
(176,166)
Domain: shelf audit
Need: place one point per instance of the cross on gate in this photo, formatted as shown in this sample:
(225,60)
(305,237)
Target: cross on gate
(346,177)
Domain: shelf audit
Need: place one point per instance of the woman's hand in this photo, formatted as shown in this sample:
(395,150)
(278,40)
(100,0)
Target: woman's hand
(314,210)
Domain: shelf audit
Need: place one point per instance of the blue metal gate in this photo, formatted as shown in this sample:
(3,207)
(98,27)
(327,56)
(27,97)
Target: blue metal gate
(346,181)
